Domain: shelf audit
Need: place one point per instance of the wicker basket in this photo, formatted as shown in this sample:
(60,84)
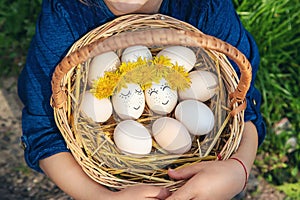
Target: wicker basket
(92,144)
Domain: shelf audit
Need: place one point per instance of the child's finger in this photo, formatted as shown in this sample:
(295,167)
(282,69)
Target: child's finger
(163,193)
(185,172)
(154,192)
(182,193)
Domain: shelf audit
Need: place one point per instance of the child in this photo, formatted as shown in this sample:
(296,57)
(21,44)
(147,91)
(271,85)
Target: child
(60,24)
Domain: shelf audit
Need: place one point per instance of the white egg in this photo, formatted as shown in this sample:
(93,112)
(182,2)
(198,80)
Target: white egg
(99,110)
(100,64)
(131,137)
(129,103)
(204,85)
(131,54)
(171,135)
(181,55)
(196,116)
(160,98)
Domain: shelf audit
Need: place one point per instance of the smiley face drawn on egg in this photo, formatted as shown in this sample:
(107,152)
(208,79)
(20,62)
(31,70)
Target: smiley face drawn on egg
(129,103)
(160,98)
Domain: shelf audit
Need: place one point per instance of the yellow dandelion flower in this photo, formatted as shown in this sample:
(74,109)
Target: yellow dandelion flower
(162,60)
(142,72)
(103,87)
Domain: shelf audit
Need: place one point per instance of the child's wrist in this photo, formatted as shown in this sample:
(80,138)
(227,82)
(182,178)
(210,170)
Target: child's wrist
(241,163)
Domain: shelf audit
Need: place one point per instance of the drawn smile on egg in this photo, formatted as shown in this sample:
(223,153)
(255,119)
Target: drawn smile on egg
(165,102)
(136,108)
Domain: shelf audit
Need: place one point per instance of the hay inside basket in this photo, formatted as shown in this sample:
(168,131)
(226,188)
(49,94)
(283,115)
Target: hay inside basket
(92,143)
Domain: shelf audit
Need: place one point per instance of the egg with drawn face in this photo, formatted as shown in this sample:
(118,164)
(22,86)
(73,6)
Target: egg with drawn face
(160,98)
(129,103)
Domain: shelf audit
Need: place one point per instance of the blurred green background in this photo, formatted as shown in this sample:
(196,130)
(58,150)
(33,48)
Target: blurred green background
(276,27)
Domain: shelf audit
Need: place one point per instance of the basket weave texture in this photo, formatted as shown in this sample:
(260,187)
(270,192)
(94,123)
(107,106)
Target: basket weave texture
(92,143)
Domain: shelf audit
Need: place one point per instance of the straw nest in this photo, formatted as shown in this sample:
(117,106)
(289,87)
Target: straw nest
(92,143)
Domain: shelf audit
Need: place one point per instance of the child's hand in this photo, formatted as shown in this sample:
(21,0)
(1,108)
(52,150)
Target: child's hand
(141,192)
(209,180)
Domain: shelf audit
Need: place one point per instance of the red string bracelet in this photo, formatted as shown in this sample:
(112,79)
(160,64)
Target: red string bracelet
(245,169)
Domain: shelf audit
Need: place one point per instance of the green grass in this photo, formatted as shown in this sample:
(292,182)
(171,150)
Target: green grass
(291,190)
(275,26)
(17,25)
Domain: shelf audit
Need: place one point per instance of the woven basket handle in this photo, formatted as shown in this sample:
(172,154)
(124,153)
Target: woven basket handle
(150,37)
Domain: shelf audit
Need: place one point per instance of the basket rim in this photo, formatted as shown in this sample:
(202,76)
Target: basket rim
(151,37)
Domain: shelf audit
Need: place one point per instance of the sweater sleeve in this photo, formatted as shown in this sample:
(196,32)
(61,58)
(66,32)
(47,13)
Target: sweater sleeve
(41,137)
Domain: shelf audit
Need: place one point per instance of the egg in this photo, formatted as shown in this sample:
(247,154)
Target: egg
(171,135)
(131,137)
(131,54)
(196,116)
(99,110)
(100,64)
(181,55)
(160,98)
(204,85)
(129,103)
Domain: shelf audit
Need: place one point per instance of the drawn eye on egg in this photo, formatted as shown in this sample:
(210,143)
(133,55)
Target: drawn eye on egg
(129,103)
(152,91)
(138,91)
(125,95)
(160,98)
